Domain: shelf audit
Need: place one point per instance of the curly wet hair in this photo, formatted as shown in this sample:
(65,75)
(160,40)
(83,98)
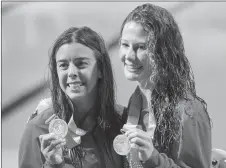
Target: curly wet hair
(175,78)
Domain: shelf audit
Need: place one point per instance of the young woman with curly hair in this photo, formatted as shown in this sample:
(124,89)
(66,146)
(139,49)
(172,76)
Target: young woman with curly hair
(152,53)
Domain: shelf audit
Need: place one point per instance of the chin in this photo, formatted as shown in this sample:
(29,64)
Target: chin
(77,96)
(131,77)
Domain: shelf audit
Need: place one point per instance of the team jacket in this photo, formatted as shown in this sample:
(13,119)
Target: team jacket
(193,148)
(30,155)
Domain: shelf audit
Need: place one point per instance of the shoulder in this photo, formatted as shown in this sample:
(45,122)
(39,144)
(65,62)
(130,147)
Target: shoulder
(42,112)
(119,109)
(120,113)
(36,124)
(34,127)
(193,109)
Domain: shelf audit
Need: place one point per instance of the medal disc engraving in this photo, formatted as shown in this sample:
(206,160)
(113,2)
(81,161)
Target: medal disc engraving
(59,127)
(121,145)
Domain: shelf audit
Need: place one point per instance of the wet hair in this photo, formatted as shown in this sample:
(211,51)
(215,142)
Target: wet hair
(174,76)
(105,99)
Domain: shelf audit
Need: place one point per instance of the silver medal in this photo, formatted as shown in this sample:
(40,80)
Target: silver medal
(121,145)
(59,127)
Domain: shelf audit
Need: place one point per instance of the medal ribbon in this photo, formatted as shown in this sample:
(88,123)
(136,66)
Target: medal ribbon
(134,112)
(134,108)
(133,118)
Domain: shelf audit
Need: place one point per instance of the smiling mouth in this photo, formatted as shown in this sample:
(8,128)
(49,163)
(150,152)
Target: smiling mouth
(133,68)
(74,86)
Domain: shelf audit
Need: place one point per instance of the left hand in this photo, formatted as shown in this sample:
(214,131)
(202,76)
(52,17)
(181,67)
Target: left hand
(142,141)
(51,148)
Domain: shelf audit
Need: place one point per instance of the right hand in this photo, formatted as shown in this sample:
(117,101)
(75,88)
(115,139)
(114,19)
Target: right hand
(51,148)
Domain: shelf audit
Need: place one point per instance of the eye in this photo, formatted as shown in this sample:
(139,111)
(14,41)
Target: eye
(142,47)
(63,65)
(214,162)
(82,64)
(123,44)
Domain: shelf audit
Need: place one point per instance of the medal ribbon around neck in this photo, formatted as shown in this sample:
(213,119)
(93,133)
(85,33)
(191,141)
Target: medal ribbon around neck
(121,143)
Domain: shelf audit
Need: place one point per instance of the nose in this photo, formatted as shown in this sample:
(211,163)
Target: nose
(73,71)
(131,54)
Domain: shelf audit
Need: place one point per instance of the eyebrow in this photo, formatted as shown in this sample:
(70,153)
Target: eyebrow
(136,42)
(79,59)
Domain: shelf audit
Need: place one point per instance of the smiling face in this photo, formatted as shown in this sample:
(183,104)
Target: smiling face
(77,71)
(138,66)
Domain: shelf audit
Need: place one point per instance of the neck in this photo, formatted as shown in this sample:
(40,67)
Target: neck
(146,93)
(84,106)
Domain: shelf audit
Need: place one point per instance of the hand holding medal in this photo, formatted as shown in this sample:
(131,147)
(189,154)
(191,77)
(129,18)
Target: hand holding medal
(141,141)
(134,137)
(51,143)
(121,143)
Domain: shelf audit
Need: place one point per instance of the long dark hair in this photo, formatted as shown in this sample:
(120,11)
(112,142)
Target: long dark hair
(105,99)
(174,74)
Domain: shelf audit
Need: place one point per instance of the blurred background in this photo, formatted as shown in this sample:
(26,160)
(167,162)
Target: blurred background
(29,29)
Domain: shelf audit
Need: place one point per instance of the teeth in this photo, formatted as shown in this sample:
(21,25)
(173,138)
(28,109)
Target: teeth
(74,85)
(133,67)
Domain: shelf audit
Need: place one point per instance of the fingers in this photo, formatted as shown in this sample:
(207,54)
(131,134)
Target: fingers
(137,142)
(51,148)
(132,133)
(138,138)
(141,141)
(55,144)
(45,139)
(50,141)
